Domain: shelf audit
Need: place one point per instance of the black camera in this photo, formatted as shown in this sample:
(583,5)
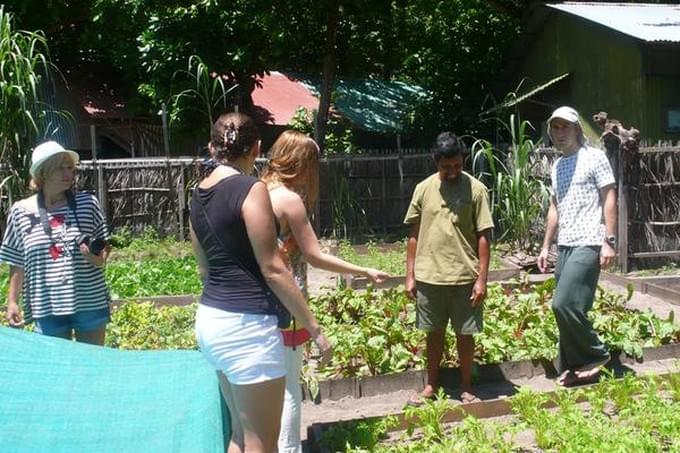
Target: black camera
(95,245)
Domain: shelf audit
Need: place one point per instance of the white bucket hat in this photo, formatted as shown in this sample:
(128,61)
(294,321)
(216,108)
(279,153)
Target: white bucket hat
(571,115)
(46,150)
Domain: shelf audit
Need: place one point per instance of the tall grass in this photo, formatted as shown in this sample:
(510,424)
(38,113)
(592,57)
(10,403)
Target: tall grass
(207,95)
(519,198)
(24,67)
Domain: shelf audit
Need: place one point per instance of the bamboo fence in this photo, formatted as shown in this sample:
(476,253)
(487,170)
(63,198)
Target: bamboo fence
(369,194)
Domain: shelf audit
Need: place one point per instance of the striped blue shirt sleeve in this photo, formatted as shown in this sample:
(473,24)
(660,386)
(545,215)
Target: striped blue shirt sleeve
(12,248)
(100,228)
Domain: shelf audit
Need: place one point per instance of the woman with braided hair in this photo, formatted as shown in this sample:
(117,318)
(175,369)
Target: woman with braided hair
(245,285)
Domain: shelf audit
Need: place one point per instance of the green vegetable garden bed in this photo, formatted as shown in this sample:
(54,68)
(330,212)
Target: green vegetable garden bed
(392,259)
(373,331)
(629,414)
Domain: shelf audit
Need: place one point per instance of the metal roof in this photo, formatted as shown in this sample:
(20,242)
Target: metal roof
(278,96)
(371,105)
(645,21)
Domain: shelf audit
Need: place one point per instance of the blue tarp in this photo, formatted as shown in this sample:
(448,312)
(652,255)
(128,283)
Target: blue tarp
(62,396)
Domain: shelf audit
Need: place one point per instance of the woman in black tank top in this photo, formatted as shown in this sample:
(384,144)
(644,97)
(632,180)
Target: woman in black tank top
(244,284)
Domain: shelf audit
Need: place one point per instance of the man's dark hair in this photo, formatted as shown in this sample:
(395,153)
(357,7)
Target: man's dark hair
(447,145)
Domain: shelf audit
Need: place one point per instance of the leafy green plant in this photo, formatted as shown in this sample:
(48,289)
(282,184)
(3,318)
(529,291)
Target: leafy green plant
(128,247)
(519,198)
(24,72)
(374,332)
(348,215)
(207,95)
(137,325)
(429,417)
(357,436)
(392,261)
(153,277)
(626,330)
(4,286)
(647,420)
(339,137)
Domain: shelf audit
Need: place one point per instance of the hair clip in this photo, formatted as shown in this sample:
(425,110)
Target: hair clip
(230,134)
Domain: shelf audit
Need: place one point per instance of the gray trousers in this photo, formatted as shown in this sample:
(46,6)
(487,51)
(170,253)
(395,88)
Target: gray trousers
(577,273)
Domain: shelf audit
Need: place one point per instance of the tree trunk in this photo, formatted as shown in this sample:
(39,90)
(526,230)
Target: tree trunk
(329,63)
(246,86)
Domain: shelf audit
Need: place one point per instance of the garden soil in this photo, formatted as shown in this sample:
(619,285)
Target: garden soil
(392,403)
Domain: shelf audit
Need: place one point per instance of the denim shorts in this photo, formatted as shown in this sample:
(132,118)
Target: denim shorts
(247,348)
(82,321)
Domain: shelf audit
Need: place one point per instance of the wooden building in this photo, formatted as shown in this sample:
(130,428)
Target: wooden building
(622,58)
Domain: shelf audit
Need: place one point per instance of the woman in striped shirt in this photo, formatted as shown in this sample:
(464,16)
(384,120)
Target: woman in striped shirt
(56,245)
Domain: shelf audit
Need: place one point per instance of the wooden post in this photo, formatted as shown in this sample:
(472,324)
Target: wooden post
(171,191)
(93,141)
(181,203)
(383,200)
(316,215)
(622,201)
(98,172)
(166,139)
(133,145)
(101,190)
(400,166)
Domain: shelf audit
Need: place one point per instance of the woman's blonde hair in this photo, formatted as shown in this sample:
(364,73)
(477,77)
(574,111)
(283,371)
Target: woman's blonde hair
(292,156)
(47,168)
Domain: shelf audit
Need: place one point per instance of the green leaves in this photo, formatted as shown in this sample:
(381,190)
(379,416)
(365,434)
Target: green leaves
(24,67)
(208,94)
(137,325)
(375,332)
(153,277)
(618,415)
(372,332)
(518,197)
(392,261)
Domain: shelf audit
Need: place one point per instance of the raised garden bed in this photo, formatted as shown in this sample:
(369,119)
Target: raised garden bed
(374,332)
(336,389)
(664,287)
(628,414)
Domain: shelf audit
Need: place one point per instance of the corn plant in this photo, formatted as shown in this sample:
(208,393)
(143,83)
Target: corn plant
(207,96)
(519,198)
(24,68)
(348,216)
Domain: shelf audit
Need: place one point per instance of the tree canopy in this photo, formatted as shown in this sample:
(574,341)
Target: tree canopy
(454,48)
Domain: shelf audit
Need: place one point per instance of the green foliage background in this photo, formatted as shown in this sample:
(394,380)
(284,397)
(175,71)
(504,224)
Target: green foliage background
(455,48)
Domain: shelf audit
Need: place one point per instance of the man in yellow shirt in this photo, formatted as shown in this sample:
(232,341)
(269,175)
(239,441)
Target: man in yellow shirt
(447,260)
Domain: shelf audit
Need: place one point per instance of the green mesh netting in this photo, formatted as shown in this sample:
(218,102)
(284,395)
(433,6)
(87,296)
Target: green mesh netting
(62,396)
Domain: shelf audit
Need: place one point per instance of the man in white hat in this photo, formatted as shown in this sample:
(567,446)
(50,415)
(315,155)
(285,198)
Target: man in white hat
(583,194)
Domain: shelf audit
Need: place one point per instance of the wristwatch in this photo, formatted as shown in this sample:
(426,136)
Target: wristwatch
(611,240)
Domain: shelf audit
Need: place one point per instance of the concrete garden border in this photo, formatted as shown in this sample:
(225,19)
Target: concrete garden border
(357,387)
(648,285)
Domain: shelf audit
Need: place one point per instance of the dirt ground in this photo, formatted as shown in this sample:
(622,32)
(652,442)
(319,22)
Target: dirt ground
(351,408)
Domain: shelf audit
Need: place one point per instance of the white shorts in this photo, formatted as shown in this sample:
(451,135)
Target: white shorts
(247,348)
